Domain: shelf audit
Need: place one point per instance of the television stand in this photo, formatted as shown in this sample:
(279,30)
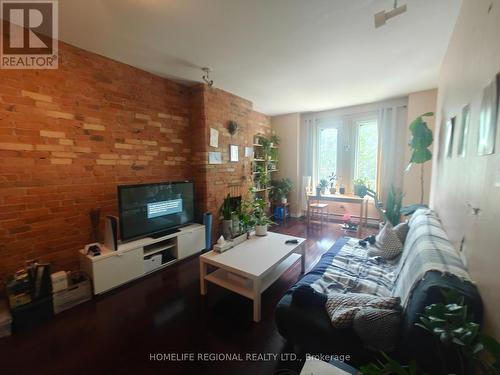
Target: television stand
(165,233)
(140,257)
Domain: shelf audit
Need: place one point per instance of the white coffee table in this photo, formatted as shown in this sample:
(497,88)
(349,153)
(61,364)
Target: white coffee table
(252,266)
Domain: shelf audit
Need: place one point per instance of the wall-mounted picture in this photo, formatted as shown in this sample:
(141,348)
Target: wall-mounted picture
(215,157)
(450,130)
(233,153)
(214,137)
(464,131)
(248,152)
(488,120)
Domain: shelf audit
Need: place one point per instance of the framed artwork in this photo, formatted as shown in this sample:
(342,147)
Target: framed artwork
(214,137)
(450,130)
(464,131)
(248,152)
(215,157)
(233,153)
(488,120)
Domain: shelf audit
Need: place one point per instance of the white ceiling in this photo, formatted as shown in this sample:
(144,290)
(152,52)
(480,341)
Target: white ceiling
(284,55)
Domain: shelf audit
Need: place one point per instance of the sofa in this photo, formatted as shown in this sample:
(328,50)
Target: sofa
(427,264)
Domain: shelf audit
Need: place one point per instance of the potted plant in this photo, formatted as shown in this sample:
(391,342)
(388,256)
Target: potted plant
(275,140)
(259,217)
(263,178)
(420,142)
(393,206)
(360,187)
(332,179)
(280,190)
(227,217)
(323,184)
(266,148)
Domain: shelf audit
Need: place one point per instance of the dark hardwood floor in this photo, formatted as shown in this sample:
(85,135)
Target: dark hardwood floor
(118,332)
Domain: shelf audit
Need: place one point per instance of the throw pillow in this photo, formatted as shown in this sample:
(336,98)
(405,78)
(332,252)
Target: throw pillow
(342,308)
(378,328)
(401,231)
(387,244)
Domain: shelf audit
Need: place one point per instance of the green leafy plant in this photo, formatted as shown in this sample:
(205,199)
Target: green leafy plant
(253,212)
(389,367)
(454,327)
(226,208)
(361,186)
(332,178)
(263,177)
(323,183)
(392,210)
(275,139)
(280,189)
(420,142)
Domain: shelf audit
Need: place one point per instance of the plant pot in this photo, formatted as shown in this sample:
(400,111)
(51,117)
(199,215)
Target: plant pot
(284,200)
(333,190)
(360,190)
(322,191)
(261,230)
(318,191)
(227,229)
(342,190)
(235,225)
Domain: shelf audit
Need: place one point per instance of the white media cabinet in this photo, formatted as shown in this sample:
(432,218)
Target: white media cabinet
(114,268)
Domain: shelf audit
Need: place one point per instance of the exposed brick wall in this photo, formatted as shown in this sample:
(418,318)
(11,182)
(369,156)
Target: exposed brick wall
(68,137)
(220,179)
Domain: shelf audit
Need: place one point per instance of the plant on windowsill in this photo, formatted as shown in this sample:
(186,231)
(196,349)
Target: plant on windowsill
(323,184)
(361,187)
(332,178)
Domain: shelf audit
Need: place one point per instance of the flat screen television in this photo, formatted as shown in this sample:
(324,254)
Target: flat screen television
(154,209)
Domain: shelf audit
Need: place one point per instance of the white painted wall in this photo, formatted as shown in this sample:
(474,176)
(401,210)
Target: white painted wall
(460,183)
(287,127)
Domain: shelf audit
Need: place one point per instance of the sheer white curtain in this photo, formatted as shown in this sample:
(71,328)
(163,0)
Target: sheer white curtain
(392,123)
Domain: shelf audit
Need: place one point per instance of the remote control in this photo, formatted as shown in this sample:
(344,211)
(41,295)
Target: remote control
(291,242)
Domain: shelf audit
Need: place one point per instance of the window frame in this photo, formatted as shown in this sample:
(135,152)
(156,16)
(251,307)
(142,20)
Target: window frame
(356,125)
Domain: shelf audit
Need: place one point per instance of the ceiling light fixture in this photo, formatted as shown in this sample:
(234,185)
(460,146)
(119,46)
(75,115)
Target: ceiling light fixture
(206,76)
(382,17)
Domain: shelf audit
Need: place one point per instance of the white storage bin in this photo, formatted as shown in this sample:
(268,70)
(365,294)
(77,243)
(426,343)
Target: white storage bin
(152,263)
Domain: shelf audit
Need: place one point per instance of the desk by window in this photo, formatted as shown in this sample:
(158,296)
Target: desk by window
(343,198)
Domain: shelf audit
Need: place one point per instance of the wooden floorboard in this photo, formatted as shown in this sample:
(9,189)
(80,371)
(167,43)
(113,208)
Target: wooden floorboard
(163,313)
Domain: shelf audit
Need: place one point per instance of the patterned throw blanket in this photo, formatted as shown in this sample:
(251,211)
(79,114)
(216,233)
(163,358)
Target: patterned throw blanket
(353,271)
(426,248)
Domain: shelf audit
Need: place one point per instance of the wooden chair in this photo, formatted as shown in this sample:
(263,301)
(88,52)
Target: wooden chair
(314,207)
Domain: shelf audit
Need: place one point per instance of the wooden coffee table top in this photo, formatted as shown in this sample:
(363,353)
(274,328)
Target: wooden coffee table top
(255,256)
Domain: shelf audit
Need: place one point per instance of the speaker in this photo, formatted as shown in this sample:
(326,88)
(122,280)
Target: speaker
(111,233)
(207,221)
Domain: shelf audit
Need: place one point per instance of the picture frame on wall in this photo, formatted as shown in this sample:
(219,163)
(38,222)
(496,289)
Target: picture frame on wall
(214,137)
(215,157)
(488,120)
(248,152)
(233,153)
(450,130)
(464,131)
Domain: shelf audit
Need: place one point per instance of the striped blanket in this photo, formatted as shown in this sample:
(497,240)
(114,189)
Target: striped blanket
(426,248)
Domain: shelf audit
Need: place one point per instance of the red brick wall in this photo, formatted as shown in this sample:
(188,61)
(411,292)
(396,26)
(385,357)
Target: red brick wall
(68,137)
(220,179)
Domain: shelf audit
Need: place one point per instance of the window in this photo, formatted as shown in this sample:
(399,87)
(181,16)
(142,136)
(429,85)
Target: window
(367,151)
(327,152)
